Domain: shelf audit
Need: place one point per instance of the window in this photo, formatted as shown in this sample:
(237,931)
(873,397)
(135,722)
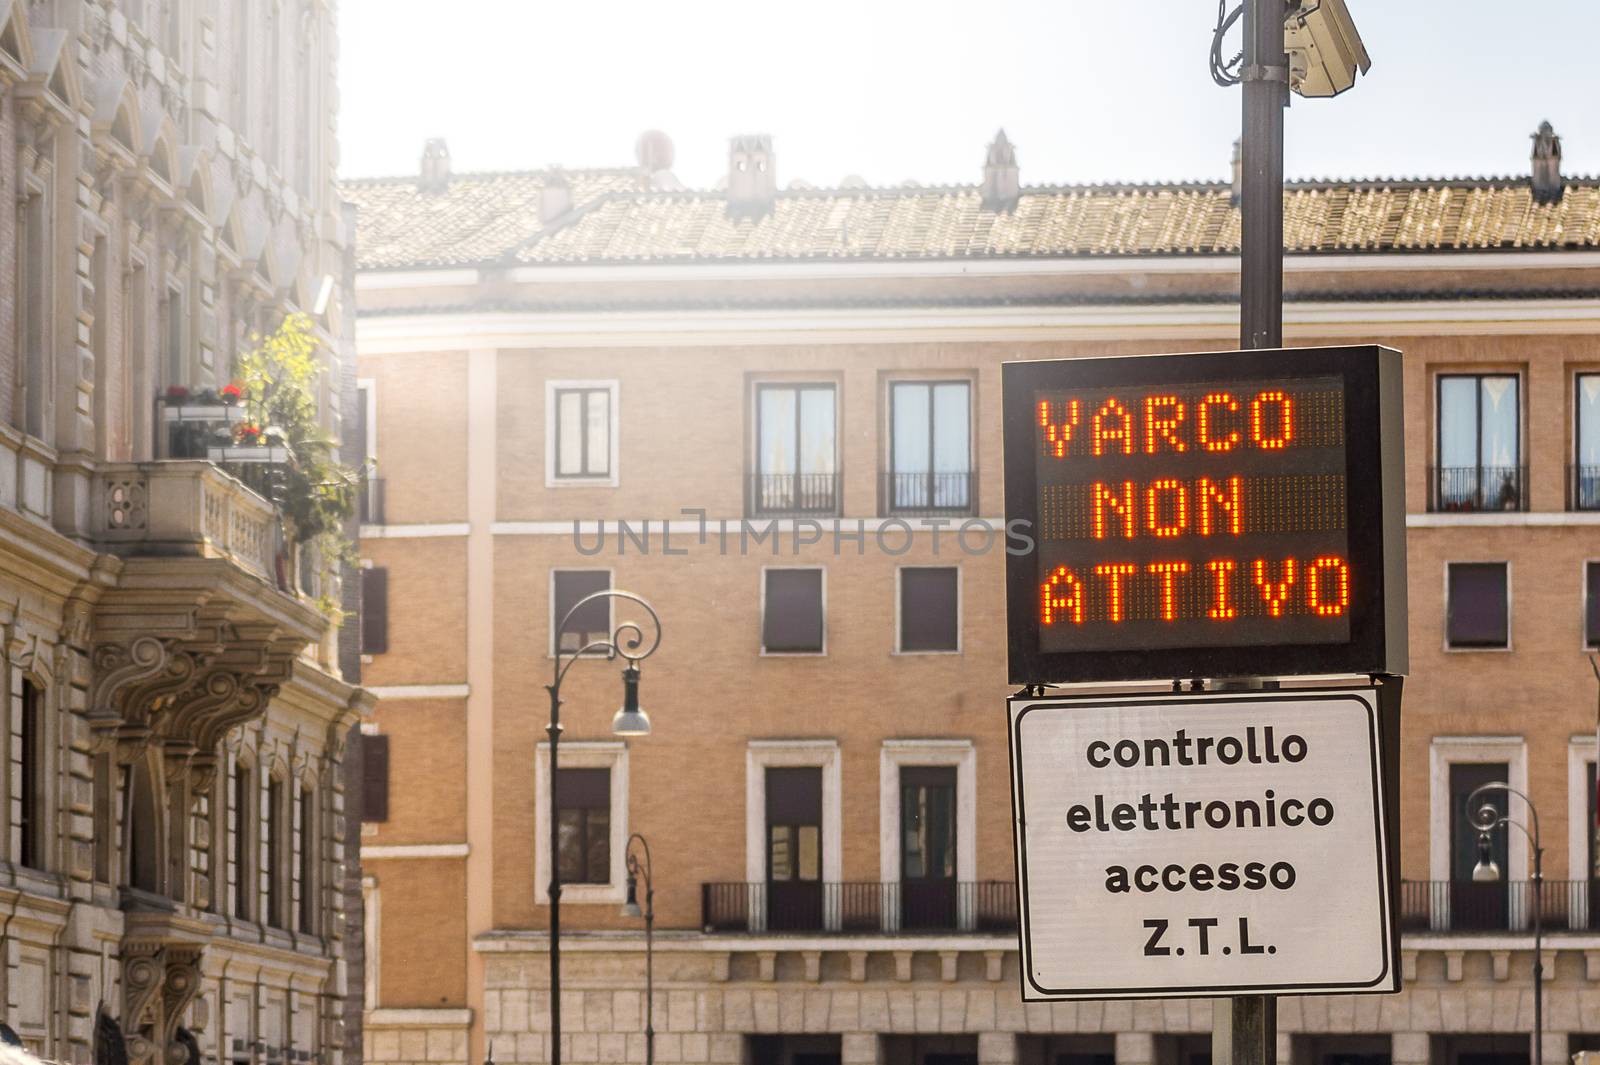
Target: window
(276,844)
(583,825)
(928,847)
(1480,443)
(1586,442)
(1477,605)
(792,612)
(590,623)
(929,609)
(795,450)
(374,617)
(1591,604)
(582,437)
(29,789)
(374,777)
(244,815)
(930,447)
(103,817)
(305,859)
(33,308)
(1477,906)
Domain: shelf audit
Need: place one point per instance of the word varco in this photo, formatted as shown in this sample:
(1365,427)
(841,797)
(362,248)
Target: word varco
(1214,590)
(1218,422)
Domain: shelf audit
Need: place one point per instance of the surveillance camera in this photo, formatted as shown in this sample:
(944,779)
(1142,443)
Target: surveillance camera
(1325,51)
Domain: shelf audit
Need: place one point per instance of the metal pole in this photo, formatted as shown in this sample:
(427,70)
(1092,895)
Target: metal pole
(649,964)
(1252,1020)
(1538,953)
(1265,77)
(554,732)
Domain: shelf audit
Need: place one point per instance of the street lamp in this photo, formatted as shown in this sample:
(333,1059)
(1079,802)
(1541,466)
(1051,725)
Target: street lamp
(630,908)
(625,640)
(1485,818)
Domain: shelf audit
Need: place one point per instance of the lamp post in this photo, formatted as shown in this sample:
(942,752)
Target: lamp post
(630,908)
(626,640)
(1485,818)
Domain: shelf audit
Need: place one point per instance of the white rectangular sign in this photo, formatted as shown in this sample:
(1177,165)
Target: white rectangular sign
(1208,844)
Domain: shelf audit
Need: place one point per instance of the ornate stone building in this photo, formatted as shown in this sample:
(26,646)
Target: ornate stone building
(175,714)
(791,395)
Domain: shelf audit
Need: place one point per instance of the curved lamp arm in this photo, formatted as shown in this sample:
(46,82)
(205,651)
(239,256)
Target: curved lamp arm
(626,639)
(635,867)
(1486,818)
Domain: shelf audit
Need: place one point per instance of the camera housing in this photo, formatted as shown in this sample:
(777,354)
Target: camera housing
(1325,51)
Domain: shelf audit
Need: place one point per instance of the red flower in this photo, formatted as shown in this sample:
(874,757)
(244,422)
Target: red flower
(230,393)
(177,391)
(246,432)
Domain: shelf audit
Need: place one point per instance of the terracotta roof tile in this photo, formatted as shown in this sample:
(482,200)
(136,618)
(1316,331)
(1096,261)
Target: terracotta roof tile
(487,218)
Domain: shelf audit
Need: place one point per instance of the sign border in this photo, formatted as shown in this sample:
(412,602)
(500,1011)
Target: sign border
(1375,514)
(1385,982)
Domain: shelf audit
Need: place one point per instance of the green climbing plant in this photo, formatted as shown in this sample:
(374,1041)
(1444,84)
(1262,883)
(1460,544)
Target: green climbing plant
(316,494)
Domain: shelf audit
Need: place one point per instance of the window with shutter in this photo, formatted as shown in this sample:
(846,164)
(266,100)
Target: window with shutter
(1478,607)
(792,621)
(593,621)
(374,777)
(583,825)
(929,618)
(374,610)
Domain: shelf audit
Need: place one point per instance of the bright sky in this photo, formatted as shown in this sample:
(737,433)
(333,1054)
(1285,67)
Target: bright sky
(898,89)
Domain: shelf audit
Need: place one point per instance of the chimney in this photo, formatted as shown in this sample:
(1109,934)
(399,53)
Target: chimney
(1238,174)
(1546,165)
(752,175)
(1002,181)
(555,196)
(435,166)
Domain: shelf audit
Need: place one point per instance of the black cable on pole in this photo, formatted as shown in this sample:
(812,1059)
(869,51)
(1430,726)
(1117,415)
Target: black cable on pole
(1225,73)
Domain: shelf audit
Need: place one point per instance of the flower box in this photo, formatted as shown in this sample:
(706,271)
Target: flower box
(209,412)
(246,453)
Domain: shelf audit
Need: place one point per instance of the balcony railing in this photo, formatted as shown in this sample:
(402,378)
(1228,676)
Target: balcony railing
(927,495)
(858,908)
(774,495)
(1583,487)
(1473,488)
(1465,906)
(188,508)
(370,501)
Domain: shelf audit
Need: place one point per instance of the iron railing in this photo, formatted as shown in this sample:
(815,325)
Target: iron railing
(927,495)
(1583,487)
(1466,906)
(370,501)
(771,495)
(1469,488)
(863,907)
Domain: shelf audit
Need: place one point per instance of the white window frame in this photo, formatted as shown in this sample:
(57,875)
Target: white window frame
(1581,755)
(761,755)
(582,754)
(1446,751)
(369,446)
(550,428)
(550,599)
(899,604)
(893,756)
(761,621)
(1450,648)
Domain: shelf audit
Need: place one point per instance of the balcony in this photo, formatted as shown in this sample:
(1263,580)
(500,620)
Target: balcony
(792,495)
(1464,906)
(987,907)
(1466,489)
(928,495)
(369,501)
(1583,487)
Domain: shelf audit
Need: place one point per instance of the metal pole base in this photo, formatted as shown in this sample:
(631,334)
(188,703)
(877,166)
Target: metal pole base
(1244,1030)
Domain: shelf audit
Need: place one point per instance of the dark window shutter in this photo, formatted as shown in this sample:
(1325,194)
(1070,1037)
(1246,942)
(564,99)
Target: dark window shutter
(1591,605)
(1477,611)
(794,795)
(588,789)
(928,615)
(374,610)
(793,620)
(374,777)
(593,622)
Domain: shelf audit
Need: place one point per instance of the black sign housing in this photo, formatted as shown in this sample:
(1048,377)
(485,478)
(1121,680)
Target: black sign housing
(1223,514)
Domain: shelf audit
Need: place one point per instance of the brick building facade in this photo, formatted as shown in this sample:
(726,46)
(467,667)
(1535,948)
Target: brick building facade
(550,354)
(175,714)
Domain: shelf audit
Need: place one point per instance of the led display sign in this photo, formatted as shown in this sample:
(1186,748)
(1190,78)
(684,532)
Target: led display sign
(1212,515)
